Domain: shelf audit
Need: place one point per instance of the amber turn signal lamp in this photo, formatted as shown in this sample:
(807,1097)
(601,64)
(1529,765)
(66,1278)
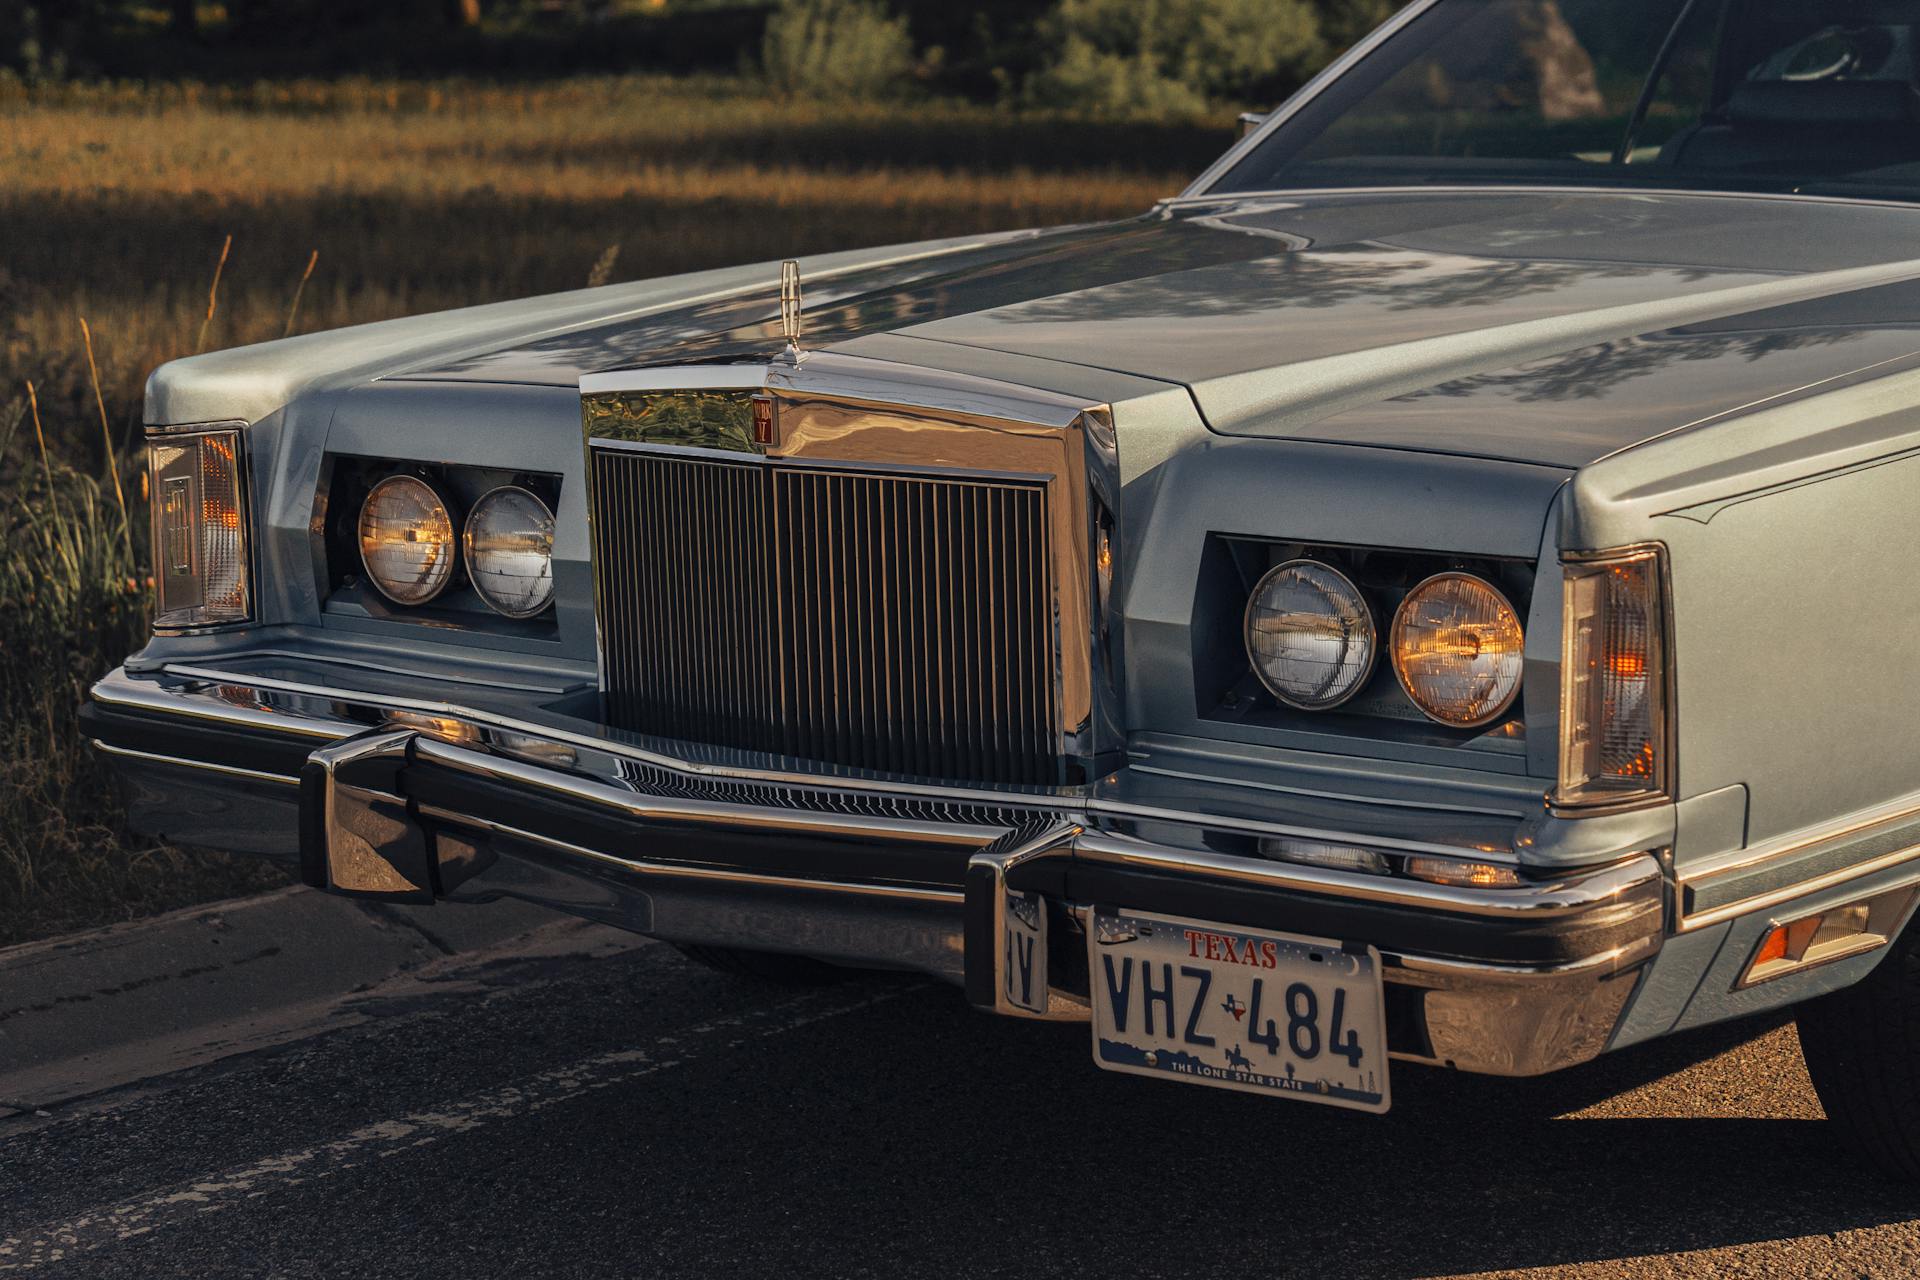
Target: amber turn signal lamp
(1462,874)
(1823,937)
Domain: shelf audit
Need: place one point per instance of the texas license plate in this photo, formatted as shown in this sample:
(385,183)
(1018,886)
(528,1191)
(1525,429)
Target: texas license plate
(1238,1009)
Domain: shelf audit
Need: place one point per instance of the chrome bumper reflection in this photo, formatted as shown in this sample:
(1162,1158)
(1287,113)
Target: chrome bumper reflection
(435,807)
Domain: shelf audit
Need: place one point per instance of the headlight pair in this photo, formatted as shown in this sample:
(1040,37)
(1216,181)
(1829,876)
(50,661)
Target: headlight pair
(1456,643)
(408,547)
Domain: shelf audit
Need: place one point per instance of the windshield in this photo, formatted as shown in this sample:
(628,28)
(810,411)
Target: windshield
(1734,95)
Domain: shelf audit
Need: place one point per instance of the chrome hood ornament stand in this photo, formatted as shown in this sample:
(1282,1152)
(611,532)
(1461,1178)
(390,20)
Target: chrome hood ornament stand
(790,301)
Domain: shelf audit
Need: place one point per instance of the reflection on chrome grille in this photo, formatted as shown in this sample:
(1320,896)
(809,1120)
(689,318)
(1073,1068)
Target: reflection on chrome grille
(890,622)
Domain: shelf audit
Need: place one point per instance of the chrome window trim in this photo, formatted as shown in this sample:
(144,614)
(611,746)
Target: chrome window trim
(1306,94)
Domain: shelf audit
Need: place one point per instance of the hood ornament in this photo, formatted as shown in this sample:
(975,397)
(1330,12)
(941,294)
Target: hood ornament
(790,309)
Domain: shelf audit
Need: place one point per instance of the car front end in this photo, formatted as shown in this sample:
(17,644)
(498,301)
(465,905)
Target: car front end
(1336,616)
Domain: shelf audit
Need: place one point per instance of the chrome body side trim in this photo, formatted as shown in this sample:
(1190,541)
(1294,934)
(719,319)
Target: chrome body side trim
(1905,857)
(1904,809)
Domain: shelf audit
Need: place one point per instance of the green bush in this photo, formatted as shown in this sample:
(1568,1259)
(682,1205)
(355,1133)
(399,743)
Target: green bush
(837,49)
(1345,22)
(1159,57)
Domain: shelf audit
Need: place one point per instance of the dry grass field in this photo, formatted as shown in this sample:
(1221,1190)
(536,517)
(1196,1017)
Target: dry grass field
(116,203)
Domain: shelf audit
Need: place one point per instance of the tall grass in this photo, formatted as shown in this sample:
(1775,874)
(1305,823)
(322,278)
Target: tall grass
(73,598)
(330,203)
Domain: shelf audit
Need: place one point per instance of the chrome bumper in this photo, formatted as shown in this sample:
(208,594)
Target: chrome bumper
(436,801)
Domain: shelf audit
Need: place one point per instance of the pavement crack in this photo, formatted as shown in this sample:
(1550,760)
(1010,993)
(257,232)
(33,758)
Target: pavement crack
(391,916)
(134,984)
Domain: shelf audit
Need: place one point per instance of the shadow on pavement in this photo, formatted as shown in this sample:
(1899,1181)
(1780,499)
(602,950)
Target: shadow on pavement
(918,1136)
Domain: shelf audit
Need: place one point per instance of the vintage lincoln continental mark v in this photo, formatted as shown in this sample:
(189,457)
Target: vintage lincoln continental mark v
(1445,589)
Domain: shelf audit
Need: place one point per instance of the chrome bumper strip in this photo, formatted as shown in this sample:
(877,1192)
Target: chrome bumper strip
(681,809)
(205,766)
(384,812)
(148,695)
(1537,901)
(119,689)
(713,875)
(1555,899)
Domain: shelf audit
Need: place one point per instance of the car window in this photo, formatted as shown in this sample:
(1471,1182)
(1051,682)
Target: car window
(1722,94)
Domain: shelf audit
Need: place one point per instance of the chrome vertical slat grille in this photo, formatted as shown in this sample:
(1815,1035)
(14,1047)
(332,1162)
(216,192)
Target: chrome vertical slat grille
(898,623)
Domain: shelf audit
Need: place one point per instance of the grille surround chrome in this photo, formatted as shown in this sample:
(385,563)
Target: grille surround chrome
(876,479)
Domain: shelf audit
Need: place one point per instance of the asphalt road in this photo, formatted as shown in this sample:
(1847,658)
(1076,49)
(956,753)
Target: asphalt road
(633,1114)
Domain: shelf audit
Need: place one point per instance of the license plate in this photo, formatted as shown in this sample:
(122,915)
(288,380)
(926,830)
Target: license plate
(1240,1009)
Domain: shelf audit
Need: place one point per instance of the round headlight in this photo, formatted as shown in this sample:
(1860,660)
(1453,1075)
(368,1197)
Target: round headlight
(406,540)
(509,541)
(1458,649)
(1310,635)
